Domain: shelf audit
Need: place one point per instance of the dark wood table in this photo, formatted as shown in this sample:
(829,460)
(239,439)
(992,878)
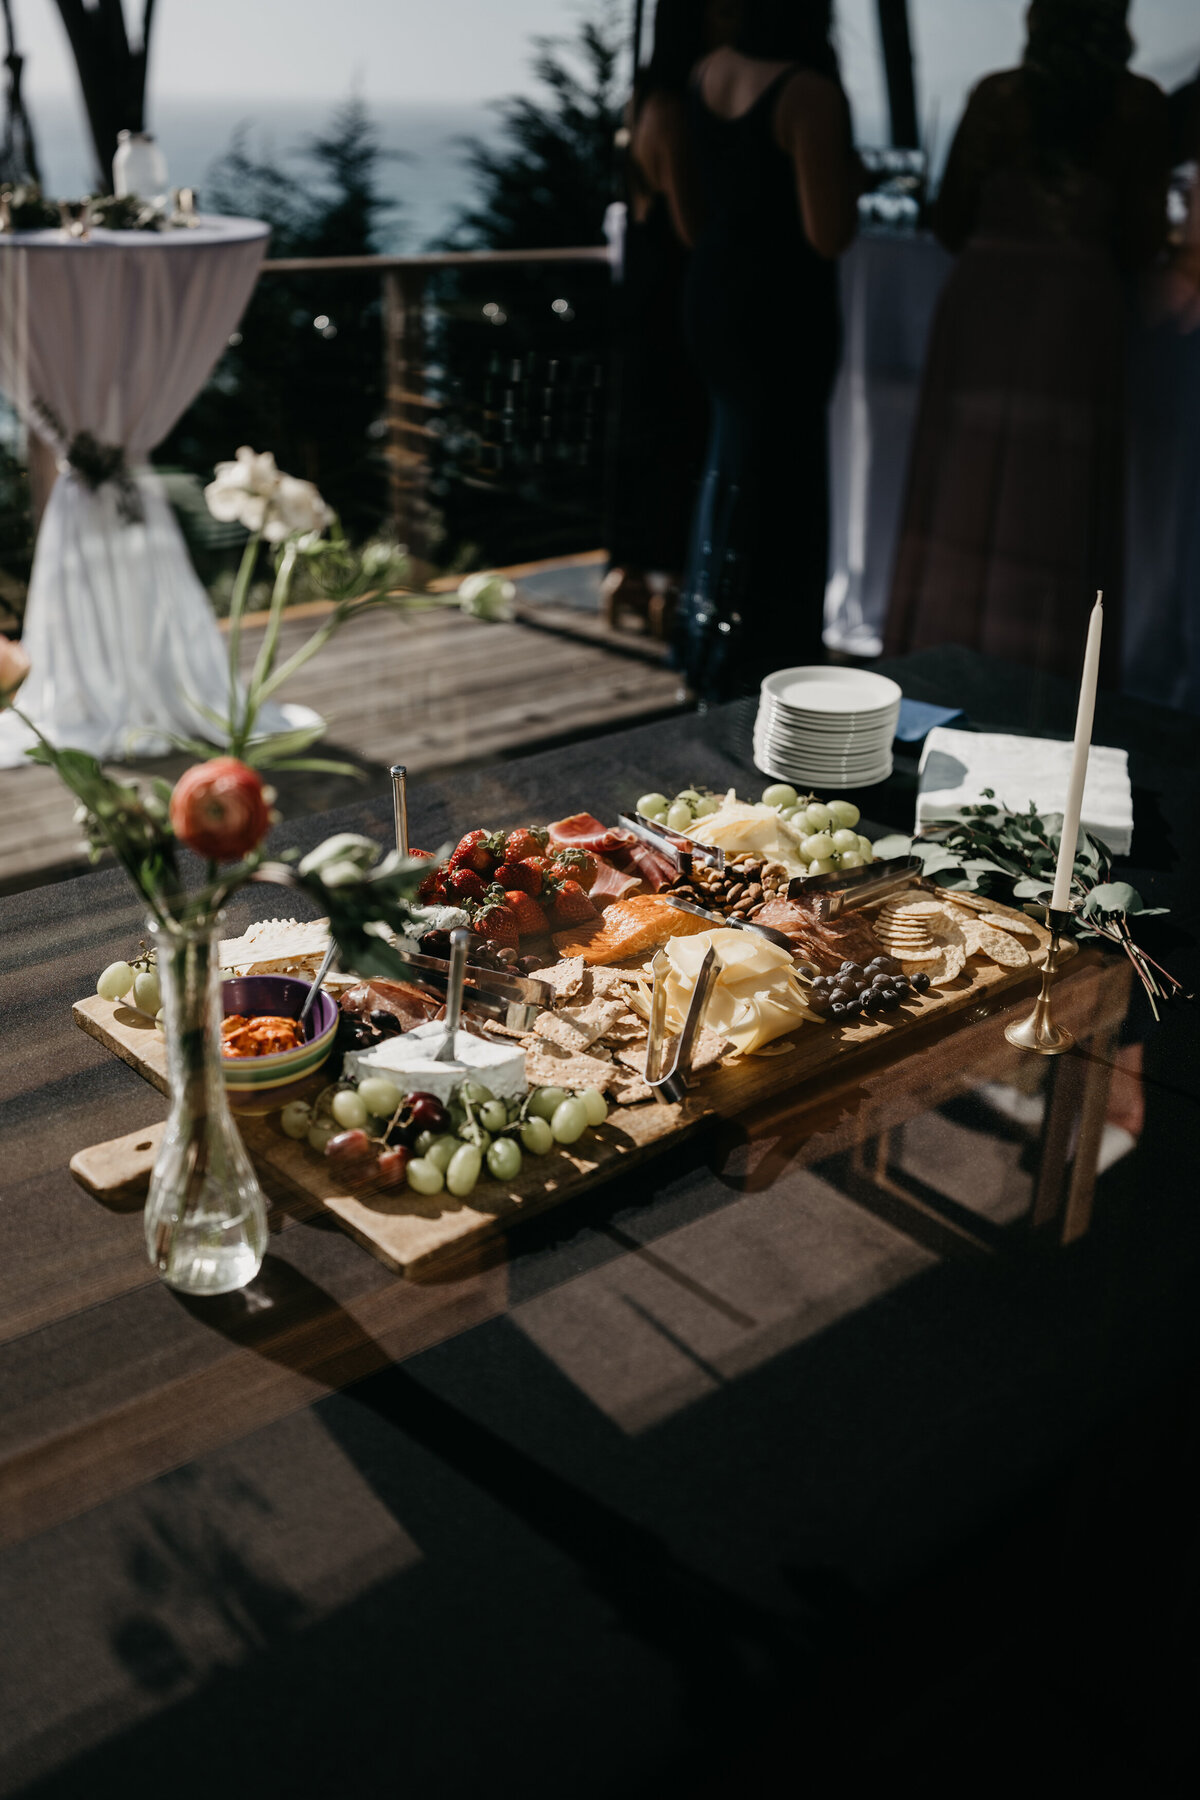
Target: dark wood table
(764,1459)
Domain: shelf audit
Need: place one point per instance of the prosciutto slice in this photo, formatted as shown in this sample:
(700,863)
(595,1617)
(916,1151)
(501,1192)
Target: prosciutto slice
(611,883)
(626,853)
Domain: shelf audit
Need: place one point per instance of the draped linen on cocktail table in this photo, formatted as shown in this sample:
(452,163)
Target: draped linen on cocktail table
(115,336)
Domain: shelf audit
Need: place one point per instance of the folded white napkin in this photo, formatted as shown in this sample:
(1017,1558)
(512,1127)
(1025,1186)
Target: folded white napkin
(956,766)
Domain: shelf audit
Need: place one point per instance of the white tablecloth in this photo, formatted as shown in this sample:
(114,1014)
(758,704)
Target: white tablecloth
(116,335)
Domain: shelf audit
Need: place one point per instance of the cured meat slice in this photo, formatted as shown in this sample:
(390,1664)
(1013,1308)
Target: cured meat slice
(611,883)
(655,868)
(826,942)
(587,833)
(410,1004)
(629,928)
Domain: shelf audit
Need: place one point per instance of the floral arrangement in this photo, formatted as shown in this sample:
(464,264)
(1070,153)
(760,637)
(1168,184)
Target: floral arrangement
(994,850)
(222,809)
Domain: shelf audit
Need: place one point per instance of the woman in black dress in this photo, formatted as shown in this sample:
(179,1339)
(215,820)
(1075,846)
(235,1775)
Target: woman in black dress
(778,187)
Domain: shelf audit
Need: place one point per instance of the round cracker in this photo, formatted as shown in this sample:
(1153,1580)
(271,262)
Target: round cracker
(954,962)
(913,909)
(931,955)
(1009,922)
(1001,947)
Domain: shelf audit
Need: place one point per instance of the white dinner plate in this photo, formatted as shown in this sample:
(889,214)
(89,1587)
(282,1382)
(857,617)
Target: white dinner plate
(821,689)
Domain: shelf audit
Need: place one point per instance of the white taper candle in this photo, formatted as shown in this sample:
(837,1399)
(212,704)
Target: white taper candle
(1061,897)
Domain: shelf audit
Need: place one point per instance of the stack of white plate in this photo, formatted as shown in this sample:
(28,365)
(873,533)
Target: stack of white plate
(826,728)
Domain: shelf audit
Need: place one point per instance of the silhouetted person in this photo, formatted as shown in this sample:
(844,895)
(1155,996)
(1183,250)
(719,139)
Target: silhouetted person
(779,182)
(660,408)
(1055,184)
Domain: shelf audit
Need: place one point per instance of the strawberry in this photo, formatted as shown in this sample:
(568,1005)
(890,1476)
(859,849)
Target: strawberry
(526,841)
(531,920)
(475,851)
(540,866)
(496,921)
(571,905)
(464,884)
(521,875)
(433,887)
(573,864)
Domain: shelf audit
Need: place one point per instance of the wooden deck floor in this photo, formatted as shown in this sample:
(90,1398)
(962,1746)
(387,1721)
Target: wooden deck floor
(433,690)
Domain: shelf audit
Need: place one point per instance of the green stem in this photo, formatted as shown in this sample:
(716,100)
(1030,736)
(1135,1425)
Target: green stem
(265,661)
(237,606)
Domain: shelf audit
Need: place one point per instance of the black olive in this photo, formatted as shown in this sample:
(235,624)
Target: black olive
(901,983)
(921,983)
(870,1002)
(889,1002)
(840,995)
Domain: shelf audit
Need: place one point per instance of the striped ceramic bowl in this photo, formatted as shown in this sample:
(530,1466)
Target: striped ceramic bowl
(281,997)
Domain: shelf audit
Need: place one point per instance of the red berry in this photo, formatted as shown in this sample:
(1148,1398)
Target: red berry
(521,875)
(465,884)
(526,841)
(573,864)
(474,852)
(496,921)
(571,905)
(393,1166)
(434,885)
(531,920)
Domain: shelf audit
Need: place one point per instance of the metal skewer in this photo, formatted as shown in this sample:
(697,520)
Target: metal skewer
(399,775)
(314,990)
(459,941)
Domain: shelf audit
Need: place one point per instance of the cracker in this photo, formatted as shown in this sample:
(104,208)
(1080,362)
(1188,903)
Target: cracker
(954,961)
(1001,948)
(913,909)
(553,1028)
(612,983)
(918,956)
(625,1030)
(708,1049)
(565,976)
(548,1066)
(633,1058)
(631,1092)
(497,1028)
(1007,922)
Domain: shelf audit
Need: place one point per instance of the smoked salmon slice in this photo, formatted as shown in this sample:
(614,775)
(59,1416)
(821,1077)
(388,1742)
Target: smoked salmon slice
(629,927)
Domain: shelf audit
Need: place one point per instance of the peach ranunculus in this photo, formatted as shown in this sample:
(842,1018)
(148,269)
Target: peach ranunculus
(14,667)
(220,809)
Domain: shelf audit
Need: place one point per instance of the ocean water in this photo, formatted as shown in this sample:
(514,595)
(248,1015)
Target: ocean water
(423,169)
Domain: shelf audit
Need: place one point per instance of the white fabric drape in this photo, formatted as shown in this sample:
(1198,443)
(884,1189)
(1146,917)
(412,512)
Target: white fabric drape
(116,335)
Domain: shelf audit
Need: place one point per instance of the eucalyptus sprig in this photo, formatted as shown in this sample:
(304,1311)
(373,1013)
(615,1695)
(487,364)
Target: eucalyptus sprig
(1012,855)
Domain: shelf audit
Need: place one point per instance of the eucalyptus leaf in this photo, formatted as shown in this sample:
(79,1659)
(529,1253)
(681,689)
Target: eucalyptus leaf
(1113,897)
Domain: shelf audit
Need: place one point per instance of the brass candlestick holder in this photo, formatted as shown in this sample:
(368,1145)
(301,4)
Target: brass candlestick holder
(1038,1032)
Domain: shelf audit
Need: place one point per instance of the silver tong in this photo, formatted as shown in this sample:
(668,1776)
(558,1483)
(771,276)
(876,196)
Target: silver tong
(840,892)
(668,1065)
(456,969)
(683,851)
(715,918)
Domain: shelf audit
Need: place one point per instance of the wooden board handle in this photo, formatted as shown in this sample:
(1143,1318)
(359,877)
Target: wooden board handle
(118,1173)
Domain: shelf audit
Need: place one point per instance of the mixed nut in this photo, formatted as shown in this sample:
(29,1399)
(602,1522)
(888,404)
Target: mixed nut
(738,890)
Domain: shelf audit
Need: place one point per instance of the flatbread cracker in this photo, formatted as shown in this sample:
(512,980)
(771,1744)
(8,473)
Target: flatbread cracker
(612,982)
(548,1066)
(954,961)
(565,976)
(1001,947)
(1005,922)
(631,1092)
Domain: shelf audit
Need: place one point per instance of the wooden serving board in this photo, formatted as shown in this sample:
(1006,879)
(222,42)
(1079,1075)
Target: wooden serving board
(415,1234)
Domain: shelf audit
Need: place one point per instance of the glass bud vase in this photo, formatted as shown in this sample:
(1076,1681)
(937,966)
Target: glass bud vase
(206,1219)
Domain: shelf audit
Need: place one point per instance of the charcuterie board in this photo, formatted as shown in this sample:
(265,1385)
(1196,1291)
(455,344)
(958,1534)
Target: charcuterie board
(417,1235)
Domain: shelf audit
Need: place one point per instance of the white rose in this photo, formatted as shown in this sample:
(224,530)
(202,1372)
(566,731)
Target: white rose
(295,506)
(242,488)
(487,596)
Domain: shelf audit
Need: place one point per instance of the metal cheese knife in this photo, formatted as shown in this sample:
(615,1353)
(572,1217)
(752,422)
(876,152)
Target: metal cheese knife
(715,918)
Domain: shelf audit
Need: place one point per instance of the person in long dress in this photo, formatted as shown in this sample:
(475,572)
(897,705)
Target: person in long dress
(777,203)
(1054,190)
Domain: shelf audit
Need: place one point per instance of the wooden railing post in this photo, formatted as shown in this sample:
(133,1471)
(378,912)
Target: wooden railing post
(407,413)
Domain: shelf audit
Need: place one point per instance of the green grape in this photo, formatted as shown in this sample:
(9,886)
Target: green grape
(866,849)
(845,840)
(679,816)
(545,1102)
(595,1106)
(822,865)
(569,1121)
(425,1142)
(820,844)
(850,859)
(504,1159)
(493,1115)
(295,1119)
(424,1177)
(690,798)
(320,1134)
(463,1170)
(348,1109)
(442,1151)
(779,794)
(160,1021)
(817,817)
(536,1135)
(843,813)
(651,805)
(474,1133)
(476,1093)
(116,981)
(146,995)
(379,1096)
(707,803)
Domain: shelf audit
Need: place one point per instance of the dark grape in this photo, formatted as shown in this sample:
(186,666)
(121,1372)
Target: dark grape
(838,1008)
(393,1166)
(349,1147)
(870,1002)
(426,1113)
(921,983)
(901,983)
(889,1002)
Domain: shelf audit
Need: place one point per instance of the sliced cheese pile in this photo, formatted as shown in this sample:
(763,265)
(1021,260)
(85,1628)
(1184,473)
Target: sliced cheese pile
(742,829)
(756,996)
